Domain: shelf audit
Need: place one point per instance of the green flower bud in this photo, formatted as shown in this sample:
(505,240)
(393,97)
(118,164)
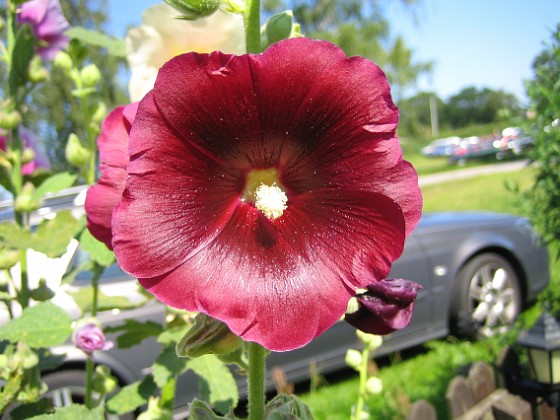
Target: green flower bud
(8,258)
(9,120)
(90,75)
(285,406)
(63,61)
(374,385)
(281,26)
(27,156)
(75,153)
(207,336)
(99,113)
(25,202)
(353,359)
(36,72)
(104,382)
(25,357)
(371,341)
(194,9)
(42,292)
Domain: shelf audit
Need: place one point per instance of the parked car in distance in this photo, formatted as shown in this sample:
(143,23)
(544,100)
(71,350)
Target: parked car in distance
(477,270)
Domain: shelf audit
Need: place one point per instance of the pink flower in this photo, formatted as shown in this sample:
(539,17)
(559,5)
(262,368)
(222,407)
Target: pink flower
(113,155)
(90,338)
(385,306)
(48,25)
(41,160)
(265,190)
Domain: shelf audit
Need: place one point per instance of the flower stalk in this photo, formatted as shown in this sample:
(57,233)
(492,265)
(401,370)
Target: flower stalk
(257,370)
(252,18)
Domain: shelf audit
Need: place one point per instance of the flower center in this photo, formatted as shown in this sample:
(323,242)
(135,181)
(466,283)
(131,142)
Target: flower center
(262,190)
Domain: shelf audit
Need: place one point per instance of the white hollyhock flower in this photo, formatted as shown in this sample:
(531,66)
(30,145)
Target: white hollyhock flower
(162,37)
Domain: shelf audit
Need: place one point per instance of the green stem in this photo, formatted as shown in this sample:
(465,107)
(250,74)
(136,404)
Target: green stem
(257,370)
(363,381)
(252,18)
(89,383)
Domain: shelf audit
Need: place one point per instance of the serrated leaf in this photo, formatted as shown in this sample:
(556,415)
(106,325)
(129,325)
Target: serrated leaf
(114,46)
(134,332)
(84,297)
(54,184)
(221,385)
(172,335)
(42,325)
(73,412)
(132,396)
(96,250)
(167,365)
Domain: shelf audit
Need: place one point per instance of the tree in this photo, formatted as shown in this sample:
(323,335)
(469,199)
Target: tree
(359,28)
(416,114)
(543,199)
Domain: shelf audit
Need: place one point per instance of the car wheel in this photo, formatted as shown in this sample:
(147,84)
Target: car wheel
(487,297)
(68,387)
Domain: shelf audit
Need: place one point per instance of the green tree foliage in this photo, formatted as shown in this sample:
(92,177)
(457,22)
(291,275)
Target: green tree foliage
(53,102)
(359,28)
(544,92)
(415,114)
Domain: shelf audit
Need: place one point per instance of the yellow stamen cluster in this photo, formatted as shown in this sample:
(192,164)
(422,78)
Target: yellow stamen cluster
(270,200)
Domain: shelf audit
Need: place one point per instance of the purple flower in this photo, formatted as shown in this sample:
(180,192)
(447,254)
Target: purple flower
(48,25)
(385,306)
(89,338)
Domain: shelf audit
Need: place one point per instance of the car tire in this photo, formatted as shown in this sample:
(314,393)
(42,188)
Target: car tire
(487,297)
(68,387)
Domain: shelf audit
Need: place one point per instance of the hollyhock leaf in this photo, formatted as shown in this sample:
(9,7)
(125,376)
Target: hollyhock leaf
(114,46)
(24,50)
(54,184)
(96,249)
(132,396)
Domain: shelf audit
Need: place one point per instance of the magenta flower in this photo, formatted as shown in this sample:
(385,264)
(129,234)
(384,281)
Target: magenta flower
(102,198)
(90,338)
(41,160)
(263,189)
(48,25)
(384,306)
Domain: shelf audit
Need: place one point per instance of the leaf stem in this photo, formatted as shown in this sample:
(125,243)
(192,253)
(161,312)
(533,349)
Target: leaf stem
(257,370)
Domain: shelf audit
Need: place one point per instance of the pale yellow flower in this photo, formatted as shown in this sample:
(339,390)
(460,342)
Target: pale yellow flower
(161,37)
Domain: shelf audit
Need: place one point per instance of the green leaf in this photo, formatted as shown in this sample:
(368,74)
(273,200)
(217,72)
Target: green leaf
(168,365)
(26,411)
(84,297)
(132,396)
(114,46)
(24,50)
(134,332)
(96,249)
(73,412)
(218,380)
(199,410)
(42,325)
(54,184)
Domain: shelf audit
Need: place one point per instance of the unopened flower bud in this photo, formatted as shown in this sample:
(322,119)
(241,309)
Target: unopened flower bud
(90,75)
(104,382)
(90,338)
(8,258)
(281,26)
(371,341)
(63,61)
(9,119)
(25,202)
(194,9)
(207,336)
(25,356)
(42,292)
(37,73)
(99,113)
(27,156)
(353,359)
(75,153)
(374,385)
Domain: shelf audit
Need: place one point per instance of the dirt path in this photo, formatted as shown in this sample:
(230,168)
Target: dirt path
(471,172)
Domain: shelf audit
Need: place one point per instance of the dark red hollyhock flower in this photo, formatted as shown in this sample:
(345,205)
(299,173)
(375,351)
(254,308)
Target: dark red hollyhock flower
(102,198)
(262,189)
(384,306)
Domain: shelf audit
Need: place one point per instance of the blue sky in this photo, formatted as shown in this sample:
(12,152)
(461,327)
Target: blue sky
(482,43)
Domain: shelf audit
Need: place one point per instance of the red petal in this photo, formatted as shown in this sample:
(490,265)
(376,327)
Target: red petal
(283,283)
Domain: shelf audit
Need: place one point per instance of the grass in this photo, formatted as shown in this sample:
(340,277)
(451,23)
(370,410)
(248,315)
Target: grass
(427,375)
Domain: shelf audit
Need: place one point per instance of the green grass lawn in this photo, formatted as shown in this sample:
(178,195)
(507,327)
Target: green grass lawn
(427,375)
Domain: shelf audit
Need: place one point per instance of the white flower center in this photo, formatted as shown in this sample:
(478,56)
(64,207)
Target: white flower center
(270,200)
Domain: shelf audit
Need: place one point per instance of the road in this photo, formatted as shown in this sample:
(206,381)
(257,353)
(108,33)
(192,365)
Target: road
(471,172)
